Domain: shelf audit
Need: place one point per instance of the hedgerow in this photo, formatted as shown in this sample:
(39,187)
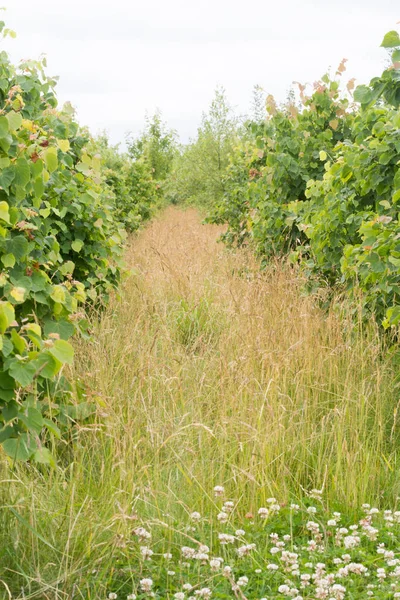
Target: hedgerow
(61,243)
(321,180)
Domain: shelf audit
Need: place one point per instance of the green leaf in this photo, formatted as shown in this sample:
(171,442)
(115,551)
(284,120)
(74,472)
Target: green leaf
(7,177)
(51,159)
(22,172)
(4,212)
(77,245)
(33,420)
(18,246)
(65,329)
(62,351)
(391,40)
(363,94)
(323,155)
(3,126)
(23,372)
(14,120)
(7,315)
(46,365)
(17,448)
(8,260)
(44,456)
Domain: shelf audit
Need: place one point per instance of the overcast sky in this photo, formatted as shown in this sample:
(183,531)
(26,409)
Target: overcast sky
(120,58)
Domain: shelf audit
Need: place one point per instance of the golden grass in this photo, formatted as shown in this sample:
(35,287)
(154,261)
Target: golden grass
(205,371)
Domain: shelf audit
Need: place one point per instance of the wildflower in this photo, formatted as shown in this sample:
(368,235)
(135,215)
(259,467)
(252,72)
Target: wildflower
(284,589)
(215,564)
(351,541)
(243,581)
(272,567)
(131,597)
(142,534)
(167,556)
(226,538)
(188,552)
(187,587)
(112,596)
(171,573)
(295,507)
(179,596)
(263,513)
(203,593)
(271,500)
(146,584)
(258,571)
(228,507)
(227,571)
(311,510)
(146,552)
(222,517)
(240,532)
(218,491)
(244,550)
(195,516)
(331,523)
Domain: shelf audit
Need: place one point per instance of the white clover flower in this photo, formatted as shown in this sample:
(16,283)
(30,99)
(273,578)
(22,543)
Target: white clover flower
(226,538)
(272,567)
(337,516)
(227,571)
(171,573)
(131,597)
(351,541)
(240,532)
(146,552)
(244,550)
(215,564)
(112,596)
(263,513)
(284,589)
(218,491)
(187,587)
(275,550)
(287,538)
(188,552)
(271,500)
(223,517)
(142,534)
(203,593)
(332,523)
(146,584)
(242,581)
(167,556)
(311,510)
(295,507)
(228,506)
(258,571)
(179,596)
(195,516)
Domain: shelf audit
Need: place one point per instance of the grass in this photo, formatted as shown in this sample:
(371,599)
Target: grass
(205,372)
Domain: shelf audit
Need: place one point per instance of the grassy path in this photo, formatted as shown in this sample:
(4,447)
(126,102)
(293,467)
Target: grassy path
(205,372)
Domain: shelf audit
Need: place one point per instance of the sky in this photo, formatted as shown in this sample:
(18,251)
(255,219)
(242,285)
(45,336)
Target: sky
(119,59)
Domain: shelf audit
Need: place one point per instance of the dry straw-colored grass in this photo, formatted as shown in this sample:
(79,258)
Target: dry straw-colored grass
(206,371)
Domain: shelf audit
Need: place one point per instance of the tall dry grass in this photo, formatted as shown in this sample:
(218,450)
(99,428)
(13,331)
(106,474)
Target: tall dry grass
(205,371)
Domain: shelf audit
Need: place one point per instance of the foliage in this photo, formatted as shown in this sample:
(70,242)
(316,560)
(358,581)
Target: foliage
(199,170)
(321,181)
(59,246)
(156,147)
(134,189)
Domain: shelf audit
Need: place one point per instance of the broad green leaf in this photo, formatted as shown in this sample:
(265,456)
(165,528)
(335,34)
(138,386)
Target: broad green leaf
(44,456)
(4,212)
(62,351)
(7,315)
(323,155)
(77,245)
(391,40)
(51,159)
(8,260)
(14,120)
(18,293)
(23,372)
(363,94)
(18,341)
(63,145)
(17,448)
(22,172)
(3,126)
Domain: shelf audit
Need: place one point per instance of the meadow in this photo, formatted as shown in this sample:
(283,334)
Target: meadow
(199,375)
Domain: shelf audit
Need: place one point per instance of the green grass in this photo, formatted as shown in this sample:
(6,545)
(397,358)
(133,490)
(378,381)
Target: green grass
(204,372)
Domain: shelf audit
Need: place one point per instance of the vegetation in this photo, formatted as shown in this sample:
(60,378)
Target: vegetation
(224,430)
(321,181)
